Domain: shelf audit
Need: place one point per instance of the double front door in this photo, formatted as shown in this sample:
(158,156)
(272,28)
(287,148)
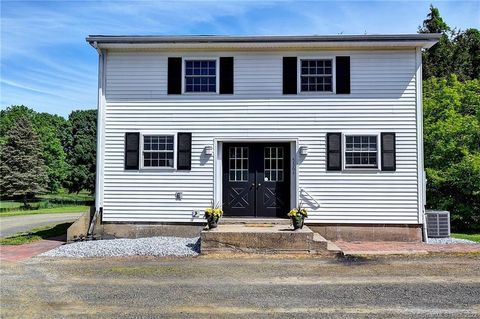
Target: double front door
(256,179)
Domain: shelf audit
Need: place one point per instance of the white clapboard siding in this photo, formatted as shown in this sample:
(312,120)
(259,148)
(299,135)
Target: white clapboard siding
(382,99)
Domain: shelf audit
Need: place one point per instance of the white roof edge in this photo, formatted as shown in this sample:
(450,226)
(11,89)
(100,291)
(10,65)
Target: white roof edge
(425,40)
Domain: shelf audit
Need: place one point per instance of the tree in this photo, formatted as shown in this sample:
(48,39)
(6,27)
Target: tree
(54,157)
(457,52)
(452,148)
(466,54)
(81,150)
(434,22)
(437,59)
(22,168)
(52,131)
(10,116)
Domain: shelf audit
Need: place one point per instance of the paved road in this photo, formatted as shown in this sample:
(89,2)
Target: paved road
(12,224)
(203,287)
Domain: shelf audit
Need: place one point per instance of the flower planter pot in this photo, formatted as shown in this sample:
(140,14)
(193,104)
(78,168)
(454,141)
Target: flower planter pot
(212,222)
(297,222)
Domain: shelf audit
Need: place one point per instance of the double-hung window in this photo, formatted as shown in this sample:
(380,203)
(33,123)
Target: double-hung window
(200,76)
(361,151)
(158,151)
(316,75)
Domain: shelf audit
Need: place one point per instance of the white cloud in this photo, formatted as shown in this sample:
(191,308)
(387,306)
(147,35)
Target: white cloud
(46,63)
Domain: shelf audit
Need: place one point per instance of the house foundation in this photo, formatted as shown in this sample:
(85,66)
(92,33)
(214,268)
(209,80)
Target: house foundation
(127,230)
(369,232)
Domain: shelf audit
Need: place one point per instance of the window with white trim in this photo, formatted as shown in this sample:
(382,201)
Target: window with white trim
(200,76)
(361,151)
(316,75)
(158,150)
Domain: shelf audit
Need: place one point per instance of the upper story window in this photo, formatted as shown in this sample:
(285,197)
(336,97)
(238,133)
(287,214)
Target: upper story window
(316,75)
(361,151)
(158,151)
(200,76)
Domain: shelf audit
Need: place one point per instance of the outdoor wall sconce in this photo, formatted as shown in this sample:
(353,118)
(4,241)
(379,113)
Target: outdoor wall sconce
(303,150)
(208,150)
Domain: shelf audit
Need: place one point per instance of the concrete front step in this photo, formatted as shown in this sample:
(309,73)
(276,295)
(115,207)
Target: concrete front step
(248,221)
(263,238)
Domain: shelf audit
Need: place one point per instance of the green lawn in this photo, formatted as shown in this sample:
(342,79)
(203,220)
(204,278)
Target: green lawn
(35,234)
(474,237)
(9,204)
(61,202)
(53,210)
(81,196)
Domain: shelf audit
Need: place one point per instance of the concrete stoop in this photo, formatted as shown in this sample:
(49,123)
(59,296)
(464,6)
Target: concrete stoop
(254,221)
(264,238)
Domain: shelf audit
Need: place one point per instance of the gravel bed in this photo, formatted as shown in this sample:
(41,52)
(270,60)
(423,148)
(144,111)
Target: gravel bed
(450,240)
(151,246)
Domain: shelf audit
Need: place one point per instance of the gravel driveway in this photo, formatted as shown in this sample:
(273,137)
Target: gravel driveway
(433,287)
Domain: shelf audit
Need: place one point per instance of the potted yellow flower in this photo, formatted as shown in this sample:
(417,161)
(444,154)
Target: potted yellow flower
(213,214)
(298,215)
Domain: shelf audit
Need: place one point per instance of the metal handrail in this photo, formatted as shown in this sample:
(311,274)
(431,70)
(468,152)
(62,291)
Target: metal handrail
(302,190)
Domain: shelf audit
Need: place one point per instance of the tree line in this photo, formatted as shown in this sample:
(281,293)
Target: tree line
(42,152)
(451,101)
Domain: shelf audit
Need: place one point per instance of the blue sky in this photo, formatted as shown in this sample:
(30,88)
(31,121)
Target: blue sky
(47,65)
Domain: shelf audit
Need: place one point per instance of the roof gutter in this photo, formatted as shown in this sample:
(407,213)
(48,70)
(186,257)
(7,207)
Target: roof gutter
(94,44)
(215,42)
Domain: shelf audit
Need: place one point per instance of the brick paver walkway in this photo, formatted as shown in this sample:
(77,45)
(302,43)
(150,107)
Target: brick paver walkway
(22,252)
(389,247)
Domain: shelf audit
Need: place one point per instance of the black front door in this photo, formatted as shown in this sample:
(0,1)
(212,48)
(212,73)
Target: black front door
(256,179)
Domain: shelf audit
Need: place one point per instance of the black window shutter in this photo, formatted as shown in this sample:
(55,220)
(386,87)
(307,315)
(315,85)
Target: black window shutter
(334,151)
(226,75)
(342,71)
(132,150)
(174,85)
(289,75)
(388,152)
(184,151)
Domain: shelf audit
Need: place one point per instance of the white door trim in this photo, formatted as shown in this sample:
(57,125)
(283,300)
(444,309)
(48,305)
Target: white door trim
(218,165)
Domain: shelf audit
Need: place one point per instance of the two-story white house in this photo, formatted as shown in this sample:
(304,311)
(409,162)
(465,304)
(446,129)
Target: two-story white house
(259,124)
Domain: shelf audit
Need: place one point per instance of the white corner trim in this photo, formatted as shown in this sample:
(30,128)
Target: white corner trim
(102,61)
(419,120)
(217,172)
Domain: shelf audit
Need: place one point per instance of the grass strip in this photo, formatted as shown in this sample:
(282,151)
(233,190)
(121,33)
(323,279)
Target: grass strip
(473,237)
(53,210)
(35,234)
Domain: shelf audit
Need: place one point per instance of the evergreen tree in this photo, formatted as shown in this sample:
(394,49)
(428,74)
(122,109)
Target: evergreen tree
(22,168)
(457,52)
(52,131)
(434,22)
(437,60)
